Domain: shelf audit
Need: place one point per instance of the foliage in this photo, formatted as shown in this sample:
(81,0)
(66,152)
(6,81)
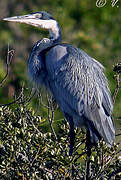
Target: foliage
(26,152)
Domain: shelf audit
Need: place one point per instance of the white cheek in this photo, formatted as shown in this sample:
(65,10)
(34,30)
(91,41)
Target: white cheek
(45,24)
(48,24)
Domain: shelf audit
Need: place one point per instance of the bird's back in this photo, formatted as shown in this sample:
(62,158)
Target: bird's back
(80,88)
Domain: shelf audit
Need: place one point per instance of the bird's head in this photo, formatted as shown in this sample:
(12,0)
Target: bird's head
(40,19)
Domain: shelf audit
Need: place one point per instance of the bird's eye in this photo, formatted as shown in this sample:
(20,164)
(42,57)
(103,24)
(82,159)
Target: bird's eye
(38,16)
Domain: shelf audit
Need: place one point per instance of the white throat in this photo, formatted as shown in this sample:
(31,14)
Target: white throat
(51,25)
(53,28)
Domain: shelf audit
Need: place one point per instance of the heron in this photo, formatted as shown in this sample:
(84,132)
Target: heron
(76,80)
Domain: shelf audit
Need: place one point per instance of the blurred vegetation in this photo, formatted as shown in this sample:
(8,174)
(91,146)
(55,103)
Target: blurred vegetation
(27,151)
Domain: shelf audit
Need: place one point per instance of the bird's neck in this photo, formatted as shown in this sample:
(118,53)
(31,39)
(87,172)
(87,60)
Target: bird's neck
(45,44)
(36,63)
(55,33)
(53,27)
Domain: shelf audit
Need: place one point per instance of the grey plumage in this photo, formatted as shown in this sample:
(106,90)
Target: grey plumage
(76,80)
(81,90)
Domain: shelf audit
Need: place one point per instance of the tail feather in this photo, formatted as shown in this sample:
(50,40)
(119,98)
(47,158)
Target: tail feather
(100,126)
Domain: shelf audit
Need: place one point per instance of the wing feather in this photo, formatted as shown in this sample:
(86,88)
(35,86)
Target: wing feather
(81,87)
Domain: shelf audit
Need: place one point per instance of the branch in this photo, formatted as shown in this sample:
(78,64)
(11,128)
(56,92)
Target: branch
(10,54)
(51,117)
(117,69)
(20,100)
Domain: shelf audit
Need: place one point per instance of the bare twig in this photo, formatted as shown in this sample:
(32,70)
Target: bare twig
(79,144)
(21,99)
(118,134)
(41,100)
(117,78)
(117,69)
(35,127)
(88,161)
(51,115)
(10,54)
